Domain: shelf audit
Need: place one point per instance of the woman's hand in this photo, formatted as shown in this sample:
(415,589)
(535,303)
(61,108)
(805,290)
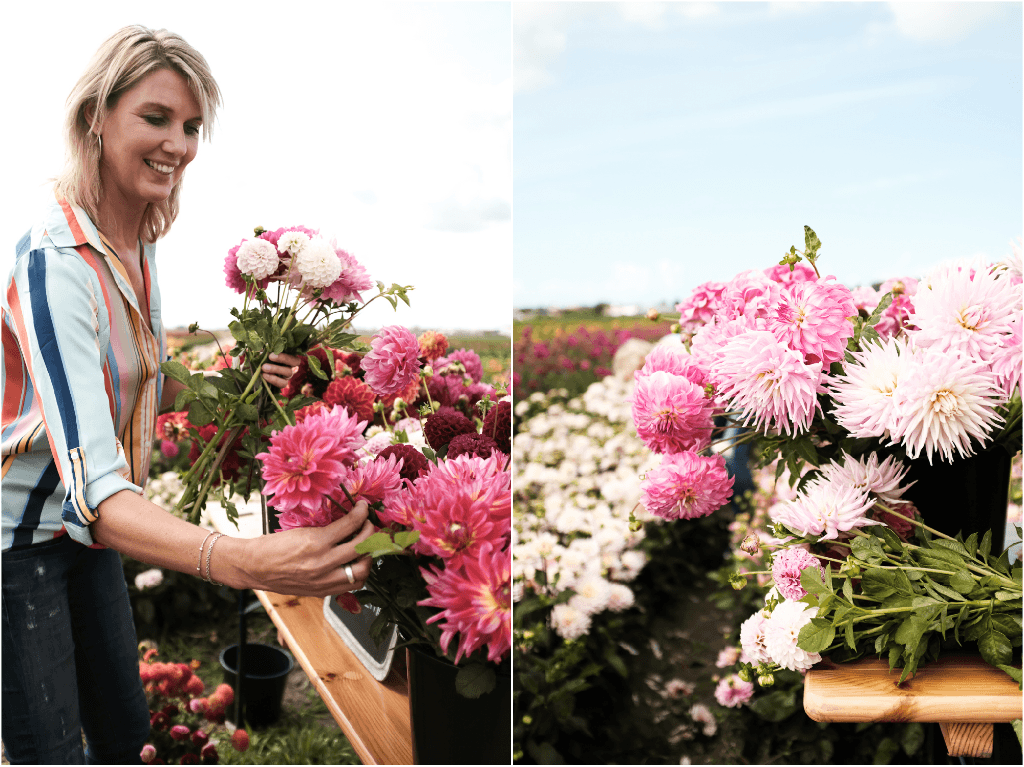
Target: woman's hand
(305,562)
(280,368)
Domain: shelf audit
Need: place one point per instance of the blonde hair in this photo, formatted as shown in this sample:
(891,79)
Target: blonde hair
(129,55)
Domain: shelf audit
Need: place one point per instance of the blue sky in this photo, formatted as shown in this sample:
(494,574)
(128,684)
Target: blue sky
(661,145)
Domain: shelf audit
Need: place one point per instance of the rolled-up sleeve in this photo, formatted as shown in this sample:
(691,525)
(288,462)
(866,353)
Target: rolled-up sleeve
(62,317)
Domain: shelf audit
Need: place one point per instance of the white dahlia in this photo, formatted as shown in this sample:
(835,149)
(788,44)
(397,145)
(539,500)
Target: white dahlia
(943,401)
(880,479)
(825,509)
(865,395)
(782,632)
(318,264)
(293,242)
(257,258)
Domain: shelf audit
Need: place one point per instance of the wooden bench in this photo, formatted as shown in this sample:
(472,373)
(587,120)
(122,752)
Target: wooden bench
(373,715)
(963,693)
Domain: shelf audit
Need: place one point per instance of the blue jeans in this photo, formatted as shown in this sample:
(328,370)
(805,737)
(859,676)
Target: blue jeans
(70,658)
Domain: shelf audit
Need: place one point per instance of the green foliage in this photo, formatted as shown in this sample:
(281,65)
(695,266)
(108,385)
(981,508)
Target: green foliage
(301,742)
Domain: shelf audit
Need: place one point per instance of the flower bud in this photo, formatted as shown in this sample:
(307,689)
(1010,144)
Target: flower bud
(653,314)
(209,754)
(766,680)
(189,758)
(751,545)
(180,732)
(737,581)
(148,753)
(200,738)
(744,674)
(240,740)
(675,327)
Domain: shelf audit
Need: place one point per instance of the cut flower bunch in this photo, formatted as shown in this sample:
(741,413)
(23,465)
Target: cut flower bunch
(846,389)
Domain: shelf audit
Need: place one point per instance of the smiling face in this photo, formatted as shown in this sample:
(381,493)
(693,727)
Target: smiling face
(149,137)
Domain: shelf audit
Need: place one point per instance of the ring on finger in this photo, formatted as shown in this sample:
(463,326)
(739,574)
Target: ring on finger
(349,574)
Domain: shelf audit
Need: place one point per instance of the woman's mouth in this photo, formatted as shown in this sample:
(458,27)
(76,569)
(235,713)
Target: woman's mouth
(160,167)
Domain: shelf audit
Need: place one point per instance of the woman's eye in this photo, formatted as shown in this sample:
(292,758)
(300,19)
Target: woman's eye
(192,130)
(154,119)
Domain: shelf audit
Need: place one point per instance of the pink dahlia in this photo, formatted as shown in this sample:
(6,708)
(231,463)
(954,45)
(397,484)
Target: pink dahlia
(475,601)
(372,482)
(1007,361)
(896,316)
(964,308)
(671,413)
(786,568)
(942,403)
(673,358)
(770,383)
(865,298)
(467,358)
(701,306)
(750,294)
(733,692)
(825,509)
(686,486)
(813,318)
(393,363)
(714,336)
(786,274)
(882,480)
(865,395)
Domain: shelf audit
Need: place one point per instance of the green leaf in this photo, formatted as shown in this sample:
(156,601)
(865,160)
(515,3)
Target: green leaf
(962,581)
(891,539)
(407,538)
(887,749)
(945,591)
(971,544)
(849,636)
(1014,673)
(475,679)
(314,365)
(848,589)
(177,371)
(876,315)
(246,412)
(816,635)
(880,643)
(810,579)
(378,545)
(1017,729)
(613,660)
(952,546)
(913,738)
(996,648)
(775,706)
(985,548)
(199,414)
(811,242)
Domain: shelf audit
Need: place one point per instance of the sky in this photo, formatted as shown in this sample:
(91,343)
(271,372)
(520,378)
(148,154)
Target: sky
(385,125)
(662,145)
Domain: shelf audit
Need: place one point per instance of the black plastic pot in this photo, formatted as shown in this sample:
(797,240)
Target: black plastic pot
(968,495)
(265,669)
(450,729)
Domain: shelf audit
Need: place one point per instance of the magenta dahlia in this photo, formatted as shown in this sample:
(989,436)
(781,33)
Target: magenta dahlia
(469,360)
(413,461)
(475,601)
(300,467)
(813,319)
(686,486)
(393,362)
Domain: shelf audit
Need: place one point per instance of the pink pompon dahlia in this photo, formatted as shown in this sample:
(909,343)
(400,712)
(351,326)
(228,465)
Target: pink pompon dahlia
(686,486)
(896,316)
(943,402)
(393,362)
(475,601)
(671,413)
(305,462)
(353,279)
(701,306)
(372,482)
(673,358)
(467,358)
(865,395)
(786,274)
(787,566)
(824,509)
(813,319)
(769,382)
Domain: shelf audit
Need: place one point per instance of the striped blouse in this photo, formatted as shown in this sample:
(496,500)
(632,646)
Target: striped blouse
(81,379)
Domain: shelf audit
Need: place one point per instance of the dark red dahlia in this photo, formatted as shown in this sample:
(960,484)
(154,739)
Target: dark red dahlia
(479,445)
(498,425)
(445,424)
(413,461)
(353,394)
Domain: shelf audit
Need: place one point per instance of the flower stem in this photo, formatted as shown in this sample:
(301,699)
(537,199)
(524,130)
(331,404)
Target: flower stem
(287,418)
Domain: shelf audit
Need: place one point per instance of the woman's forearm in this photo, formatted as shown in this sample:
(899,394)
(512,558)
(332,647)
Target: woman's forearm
(170,393)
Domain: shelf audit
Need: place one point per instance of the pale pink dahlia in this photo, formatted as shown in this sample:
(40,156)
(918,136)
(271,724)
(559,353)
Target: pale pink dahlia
(865,298)
(813,319)
(733,692)
(942,403)
(393,362)
(673,359)
(713,337)
(964,308)
(475,601)
(786,568)
(752,639)
(882,480)
(749,294)
(1008,362)
(257,258)
(770,383)
(865,396)
(301,467)
(782,632)
(825,509)
(671,413)
(686,486)
(786,274)
(352,280)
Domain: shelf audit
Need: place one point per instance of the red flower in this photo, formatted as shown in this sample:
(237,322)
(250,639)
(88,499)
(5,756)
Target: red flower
(352,393)
(472,444)
(348,601)
(413,462)
(447,423)
(432,345)
(209,754)
(231,464)
(498,425)
(240,738)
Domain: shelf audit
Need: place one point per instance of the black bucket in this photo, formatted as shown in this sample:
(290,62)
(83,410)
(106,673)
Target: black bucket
(450,729)
(266,671)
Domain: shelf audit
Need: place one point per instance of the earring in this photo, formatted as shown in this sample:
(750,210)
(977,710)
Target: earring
(99,138)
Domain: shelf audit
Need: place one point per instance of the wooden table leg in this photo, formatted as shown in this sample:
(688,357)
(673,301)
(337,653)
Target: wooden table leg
(967,738)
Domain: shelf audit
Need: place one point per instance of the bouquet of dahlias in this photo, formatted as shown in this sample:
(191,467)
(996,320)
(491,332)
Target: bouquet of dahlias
(417,435)
(300,291)
(182,720)
(843,389)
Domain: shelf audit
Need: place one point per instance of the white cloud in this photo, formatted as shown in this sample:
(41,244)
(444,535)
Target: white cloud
(945,22)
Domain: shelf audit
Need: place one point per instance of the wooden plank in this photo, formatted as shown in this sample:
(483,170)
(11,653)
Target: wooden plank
(968,738)
(956,688)
(373,715)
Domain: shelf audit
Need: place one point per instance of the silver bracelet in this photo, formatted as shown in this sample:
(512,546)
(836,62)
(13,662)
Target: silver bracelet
(209,553)
(199,566)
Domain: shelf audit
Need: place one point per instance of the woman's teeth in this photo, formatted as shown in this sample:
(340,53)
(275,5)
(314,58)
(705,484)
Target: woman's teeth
(165,169)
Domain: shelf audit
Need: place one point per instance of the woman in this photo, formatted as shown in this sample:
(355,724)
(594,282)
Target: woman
(82,343)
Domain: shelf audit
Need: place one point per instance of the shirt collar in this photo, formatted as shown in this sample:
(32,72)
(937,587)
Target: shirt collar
(69,226)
